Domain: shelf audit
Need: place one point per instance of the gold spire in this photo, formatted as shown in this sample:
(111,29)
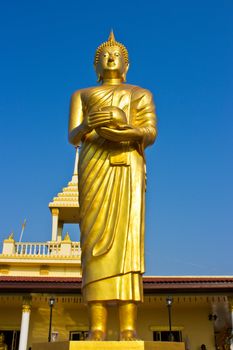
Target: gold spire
(111,42)
(66,238)
(10,238)
(67,201)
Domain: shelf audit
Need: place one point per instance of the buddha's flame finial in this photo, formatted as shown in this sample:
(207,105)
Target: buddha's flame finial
(111,36)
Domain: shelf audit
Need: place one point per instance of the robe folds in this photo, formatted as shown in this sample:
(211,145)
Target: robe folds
(112,194)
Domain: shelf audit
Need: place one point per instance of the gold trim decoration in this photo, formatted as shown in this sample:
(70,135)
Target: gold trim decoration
(4,269)
(55,211)
(79,327)
(42,257)
(165,328)
(26,308)
(44,270)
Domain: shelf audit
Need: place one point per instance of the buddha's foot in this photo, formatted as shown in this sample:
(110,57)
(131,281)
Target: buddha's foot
(128,335)
(96,335)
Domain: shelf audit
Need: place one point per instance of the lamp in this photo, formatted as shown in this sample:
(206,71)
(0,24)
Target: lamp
(169,301)
(51,304)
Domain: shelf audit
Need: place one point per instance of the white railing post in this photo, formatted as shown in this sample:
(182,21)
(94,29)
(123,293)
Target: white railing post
(66,247)
(9,246)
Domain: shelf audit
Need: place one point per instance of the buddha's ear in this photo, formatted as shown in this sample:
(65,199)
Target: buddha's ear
(99,78)
(125,72)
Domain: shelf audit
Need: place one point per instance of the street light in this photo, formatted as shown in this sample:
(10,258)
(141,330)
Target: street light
(51,304)
(169,307)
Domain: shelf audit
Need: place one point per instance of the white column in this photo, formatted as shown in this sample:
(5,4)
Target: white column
(59,231)
(23,340)
(55,214)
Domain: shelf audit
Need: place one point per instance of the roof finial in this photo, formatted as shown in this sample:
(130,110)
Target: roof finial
(66,238)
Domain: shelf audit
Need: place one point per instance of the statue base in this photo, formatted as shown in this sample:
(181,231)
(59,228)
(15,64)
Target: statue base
(109,345)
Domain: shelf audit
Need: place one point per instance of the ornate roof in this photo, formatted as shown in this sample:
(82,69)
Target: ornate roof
(67,201)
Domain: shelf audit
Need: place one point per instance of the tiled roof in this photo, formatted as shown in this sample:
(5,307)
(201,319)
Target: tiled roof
(179,284)
(152,285)
(40,284)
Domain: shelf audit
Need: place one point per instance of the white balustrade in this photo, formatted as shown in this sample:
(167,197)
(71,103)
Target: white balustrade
(44,249)
(75,249)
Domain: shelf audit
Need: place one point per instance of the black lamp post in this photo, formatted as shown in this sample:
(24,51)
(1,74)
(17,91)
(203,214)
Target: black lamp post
(51,304)
(169,307)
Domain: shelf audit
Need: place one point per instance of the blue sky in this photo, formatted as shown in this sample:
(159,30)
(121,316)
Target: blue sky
(180,50)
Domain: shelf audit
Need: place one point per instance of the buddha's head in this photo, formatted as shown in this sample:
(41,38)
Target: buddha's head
(111,60)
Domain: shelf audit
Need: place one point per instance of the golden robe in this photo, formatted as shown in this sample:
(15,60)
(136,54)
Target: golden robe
(112,194)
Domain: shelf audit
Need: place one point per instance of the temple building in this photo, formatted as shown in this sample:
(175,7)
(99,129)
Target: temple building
(40,294)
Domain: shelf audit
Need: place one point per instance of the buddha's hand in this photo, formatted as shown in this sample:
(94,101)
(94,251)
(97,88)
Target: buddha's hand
(112,117)
(120,135)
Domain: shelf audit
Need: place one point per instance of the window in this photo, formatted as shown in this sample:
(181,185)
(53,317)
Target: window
(164,336)
(78,335)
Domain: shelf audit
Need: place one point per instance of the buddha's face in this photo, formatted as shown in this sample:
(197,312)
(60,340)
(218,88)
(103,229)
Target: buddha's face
(111,63)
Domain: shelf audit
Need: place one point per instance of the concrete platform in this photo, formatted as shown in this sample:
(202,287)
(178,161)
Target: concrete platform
(109,345)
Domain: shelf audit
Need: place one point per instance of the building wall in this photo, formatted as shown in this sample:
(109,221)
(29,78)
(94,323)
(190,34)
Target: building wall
(67,316)
(10,317)
(70,314)
(190,318)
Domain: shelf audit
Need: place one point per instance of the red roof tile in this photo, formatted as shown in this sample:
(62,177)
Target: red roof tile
(152,285)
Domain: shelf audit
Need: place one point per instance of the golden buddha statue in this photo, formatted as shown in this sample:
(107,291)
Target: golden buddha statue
(3,345)
(114,122)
